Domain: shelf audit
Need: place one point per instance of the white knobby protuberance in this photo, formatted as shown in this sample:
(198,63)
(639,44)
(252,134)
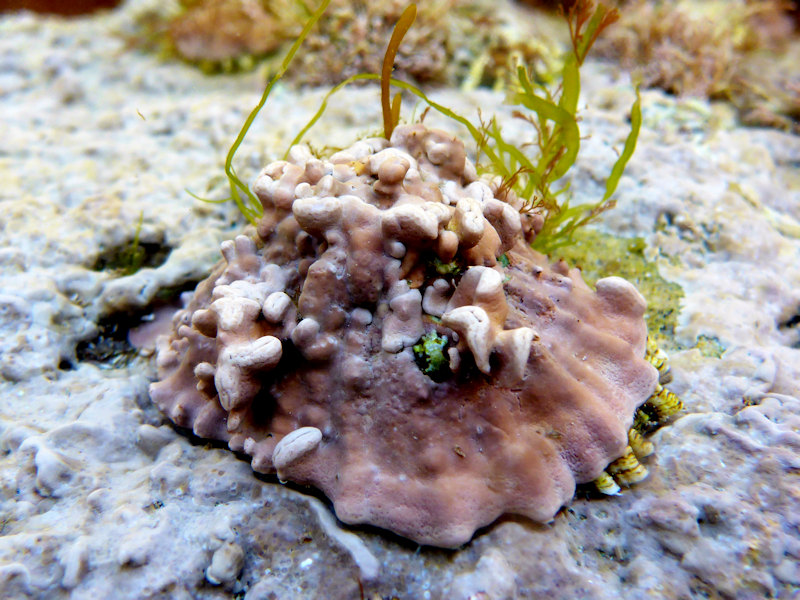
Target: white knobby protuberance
(482,287)
(469,221)
(434,302)
(621,295)
(410,223)
(489,286)
(403,326)
(236,365)
(316,215)
(504,219)
(233,313)
(515,347)
(305,334)
(276,306)
(473,324)
(293,446)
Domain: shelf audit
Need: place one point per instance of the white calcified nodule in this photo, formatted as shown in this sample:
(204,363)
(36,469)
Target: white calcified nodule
(295,445)
(275,306)
(473,324)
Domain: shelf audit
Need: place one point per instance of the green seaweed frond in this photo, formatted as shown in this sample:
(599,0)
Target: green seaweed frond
(132,257)
(241,194)
(409,87)
(324,105)
(553,116)
(585,25)
(391,113)
(552,113)
(561,224)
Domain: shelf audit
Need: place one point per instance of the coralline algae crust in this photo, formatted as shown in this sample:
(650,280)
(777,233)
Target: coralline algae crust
(298,349)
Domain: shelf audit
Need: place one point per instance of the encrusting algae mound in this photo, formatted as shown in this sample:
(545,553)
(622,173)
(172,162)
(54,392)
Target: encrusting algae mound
(299,348)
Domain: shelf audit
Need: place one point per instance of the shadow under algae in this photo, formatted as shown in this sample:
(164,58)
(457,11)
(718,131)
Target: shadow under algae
(390,332)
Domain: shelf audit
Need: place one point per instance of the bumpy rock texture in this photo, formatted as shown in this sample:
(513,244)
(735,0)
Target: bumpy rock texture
(101,499)
(298,349)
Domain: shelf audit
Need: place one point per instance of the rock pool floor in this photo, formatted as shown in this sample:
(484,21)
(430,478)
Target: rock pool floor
(100,498)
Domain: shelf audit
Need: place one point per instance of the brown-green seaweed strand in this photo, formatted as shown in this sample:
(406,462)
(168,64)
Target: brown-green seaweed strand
(403,25)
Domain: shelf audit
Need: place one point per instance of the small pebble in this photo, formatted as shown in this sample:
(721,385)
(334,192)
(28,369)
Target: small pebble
(226,564)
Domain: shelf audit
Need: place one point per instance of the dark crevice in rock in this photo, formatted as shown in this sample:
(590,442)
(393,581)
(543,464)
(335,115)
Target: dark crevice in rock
(112,347)
(791,326)
(128,258)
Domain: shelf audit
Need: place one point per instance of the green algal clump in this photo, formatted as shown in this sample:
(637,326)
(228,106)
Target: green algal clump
(431,355)
(451,268)
(710,346)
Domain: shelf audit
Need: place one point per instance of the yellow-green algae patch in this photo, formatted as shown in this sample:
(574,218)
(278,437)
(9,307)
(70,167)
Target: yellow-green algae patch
(710,346)
(600,254)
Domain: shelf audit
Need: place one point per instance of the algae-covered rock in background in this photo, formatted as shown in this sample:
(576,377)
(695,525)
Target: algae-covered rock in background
(744,52)
(453,41)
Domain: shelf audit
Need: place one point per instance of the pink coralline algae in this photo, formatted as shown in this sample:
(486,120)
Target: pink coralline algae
(299,349)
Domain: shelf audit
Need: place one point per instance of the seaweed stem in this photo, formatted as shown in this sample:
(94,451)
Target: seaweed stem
(324,105)
(391,110)
(254,210)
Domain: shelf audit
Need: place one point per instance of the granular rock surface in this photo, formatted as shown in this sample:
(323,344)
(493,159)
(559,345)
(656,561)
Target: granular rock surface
(100,497)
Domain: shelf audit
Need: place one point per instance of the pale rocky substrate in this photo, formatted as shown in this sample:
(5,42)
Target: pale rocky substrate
(100,499)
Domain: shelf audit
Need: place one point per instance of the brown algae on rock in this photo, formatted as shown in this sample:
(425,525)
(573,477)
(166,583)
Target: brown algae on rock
(736,50)
(454,42)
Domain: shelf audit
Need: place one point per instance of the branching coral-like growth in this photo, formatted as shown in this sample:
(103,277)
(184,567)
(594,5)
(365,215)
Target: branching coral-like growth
(299,349)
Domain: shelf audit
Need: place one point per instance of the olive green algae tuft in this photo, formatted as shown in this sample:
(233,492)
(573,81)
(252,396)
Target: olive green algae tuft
(431,355)
(710,346)
(600,254)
